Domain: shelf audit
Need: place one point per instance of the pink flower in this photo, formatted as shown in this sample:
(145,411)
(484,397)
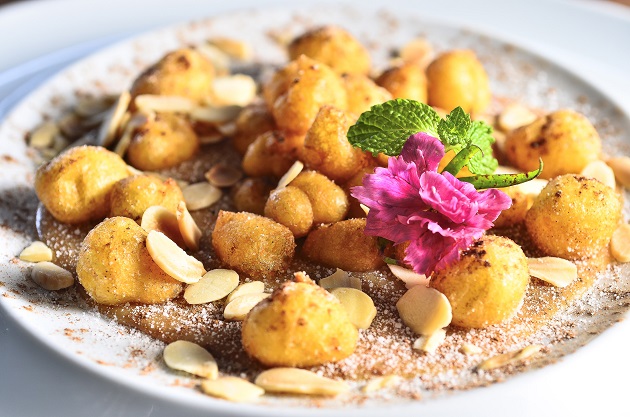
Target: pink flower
(437,213)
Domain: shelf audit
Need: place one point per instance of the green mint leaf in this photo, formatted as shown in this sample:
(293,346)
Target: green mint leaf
(453,130)
(461,159)
(502,180)
(385,127)
(480,135)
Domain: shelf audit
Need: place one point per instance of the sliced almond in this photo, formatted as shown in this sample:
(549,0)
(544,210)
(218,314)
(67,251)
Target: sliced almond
(227,129)
(418,51)
(409,277)
(51,277)
(365,209)
(601,172)
(621,168)
(470,349)
(620,243)
(215,115)
(36,252)
(160,219)
(172,259)
(164,104)
(188,229)
(214,285)
(381,382)
(290,175)
(232,47)
(91,106)
(514,116)
(236,89)
(254,287)
(220,60)
(223,175)
(425,310)
(107,132)
(232,388)
(201,195)
(192,358)
(239,307)
(44,136)
(556,271)
(429,344)
(358,305)
(211,138)
(340,279)
(299,381)
(509,358)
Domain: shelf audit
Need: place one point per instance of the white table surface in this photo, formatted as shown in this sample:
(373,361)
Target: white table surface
(39,37)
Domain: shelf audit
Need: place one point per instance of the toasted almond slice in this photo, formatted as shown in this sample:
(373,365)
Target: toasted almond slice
(125,139)
(220,60)
(211,138)
(509,358)
(51,277)
(514,116)
(381,382)
(88,106)
(429,344)
(215,285)
(621,168)
(365,208)
(601,172)
(189,230)
(556,271)
(470,349)
(192,358)
(239,307)
(107,132)
(358,305)
(160,219)
(227,129)
(201,195)
(232,47)
(223,175)
(164,104)
(418,51)
(236,89)
(290,175)
(232,388)
(620,243)
(36,252)
(172,259)
(340,279)
(215,115)
(254,287)
(409,277)
(425,310)
(44,136)
(299,381)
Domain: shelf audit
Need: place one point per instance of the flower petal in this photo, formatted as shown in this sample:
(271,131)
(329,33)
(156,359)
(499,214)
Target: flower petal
(424,150)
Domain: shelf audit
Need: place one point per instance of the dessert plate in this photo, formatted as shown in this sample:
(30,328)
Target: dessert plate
(133,359)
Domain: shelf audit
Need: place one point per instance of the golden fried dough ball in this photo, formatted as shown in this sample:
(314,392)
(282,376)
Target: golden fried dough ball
(253,245)
(326,147)
(296,92)
(251,194)
(300,325)
(291,207)
(334,47)
(355,210)
(162,142)
(184,72)
(363,93)
(75,186)
(565,140)
(487,284)
(573,217)
(115,267)
(329,201)
(252,121)
(457,78)
(405,81)
(272,154)
(131,196)
(343,245)
(517,211)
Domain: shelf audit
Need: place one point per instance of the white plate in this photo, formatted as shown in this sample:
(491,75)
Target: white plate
(102,349)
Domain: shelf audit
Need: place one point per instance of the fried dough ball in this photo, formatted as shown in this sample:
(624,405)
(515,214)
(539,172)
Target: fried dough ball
(300,325)
(115,267)
(363,93)
(516,212)
(251,194)
(405,81)
(355,210)
(131,196)
(565,140)
(291,207)
(487,284)
(162,142)
(457,78)
(326,147)
(253,245)
(296,93)
(184,72)
(272,154)
(329,201)
(343,245)
(573,217)
(334,47)
(75,186)
(252,121)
